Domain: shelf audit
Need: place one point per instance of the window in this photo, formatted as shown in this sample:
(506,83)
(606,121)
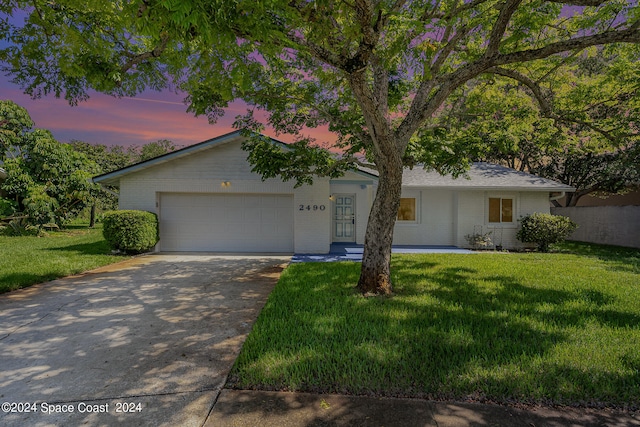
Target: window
(407,209)
(500,210)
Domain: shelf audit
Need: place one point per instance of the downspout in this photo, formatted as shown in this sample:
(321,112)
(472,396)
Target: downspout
(554,199)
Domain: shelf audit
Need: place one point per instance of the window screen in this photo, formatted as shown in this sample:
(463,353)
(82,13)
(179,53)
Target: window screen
(407,209)
(500,210)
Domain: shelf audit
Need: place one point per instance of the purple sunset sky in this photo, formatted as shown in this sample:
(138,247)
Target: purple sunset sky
(128,121)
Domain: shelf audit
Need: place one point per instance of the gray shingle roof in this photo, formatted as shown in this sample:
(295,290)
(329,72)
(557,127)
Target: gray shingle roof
(482,176)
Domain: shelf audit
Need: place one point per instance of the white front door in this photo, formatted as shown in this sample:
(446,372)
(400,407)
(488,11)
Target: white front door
(344,218)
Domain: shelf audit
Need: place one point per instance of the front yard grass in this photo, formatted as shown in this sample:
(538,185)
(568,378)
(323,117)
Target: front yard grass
(27,260)
(559,328)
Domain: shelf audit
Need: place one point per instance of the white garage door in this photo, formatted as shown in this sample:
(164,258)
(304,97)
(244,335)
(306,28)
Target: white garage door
(226,222)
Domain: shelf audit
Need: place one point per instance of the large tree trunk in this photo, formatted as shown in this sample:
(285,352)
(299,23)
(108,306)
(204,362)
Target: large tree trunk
(375,274)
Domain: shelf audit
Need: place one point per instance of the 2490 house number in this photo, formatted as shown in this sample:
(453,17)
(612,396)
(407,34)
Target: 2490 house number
(311,207)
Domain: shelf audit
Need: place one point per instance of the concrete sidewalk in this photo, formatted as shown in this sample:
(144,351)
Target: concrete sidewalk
(353,252)
(280,409)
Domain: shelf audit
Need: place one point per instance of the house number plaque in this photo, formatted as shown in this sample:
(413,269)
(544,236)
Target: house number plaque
(311,207)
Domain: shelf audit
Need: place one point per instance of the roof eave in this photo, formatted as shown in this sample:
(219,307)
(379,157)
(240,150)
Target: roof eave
(490,188)
(113,177)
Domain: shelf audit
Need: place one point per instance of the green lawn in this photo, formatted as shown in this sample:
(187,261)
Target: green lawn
(558,328)
(27,260)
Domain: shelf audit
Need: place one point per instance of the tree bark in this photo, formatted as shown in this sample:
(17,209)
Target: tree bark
(375,274)
(92,220)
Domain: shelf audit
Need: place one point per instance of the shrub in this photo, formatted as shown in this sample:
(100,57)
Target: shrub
(130,231)
(40,208)
(545,229)
(479,240)
(18,226)
(7,207)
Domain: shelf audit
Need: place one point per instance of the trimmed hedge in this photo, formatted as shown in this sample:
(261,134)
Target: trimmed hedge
(544,229)
(130,231)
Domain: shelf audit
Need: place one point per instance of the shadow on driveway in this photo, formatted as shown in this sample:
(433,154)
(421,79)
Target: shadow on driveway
(159,330)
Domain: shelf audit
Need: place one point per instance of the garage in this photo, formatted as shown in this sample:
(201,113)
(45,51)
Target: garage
(206,222)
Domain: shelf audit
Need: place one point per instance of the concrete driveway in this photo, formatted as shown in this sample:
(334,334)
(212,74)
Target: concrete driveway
(148,341)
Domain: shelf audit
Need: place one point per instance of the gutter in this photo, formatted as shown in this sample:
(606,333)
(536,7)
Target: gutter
(554,198)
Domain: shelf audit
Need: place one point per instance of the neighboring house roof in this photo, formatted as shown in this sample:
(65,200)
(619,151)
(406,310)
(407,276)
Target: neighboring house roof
(480,176)
(3,173)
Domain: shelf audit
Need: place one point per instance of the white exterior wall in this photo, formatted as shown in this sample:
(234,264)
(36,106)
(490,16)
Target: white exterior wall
(470,215)
(534,202)
(312,228)
(473,215)
(444,216)
(434,219)
(206,171)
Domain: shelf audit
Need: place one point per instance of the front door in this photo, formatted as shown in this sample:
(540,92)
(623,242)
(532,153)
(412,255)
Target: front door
(344,218)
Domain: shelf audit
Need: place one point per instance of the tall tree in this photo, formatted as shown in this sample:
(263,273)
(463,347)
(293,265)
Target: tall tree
(585,134)
(110,158)
(378,72)
(155,149)
(48,181)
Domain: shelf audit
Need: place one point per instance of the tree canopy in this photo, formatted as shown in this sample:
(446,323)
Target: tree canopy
(113,157)
(586,133)
(381,74)
(47,181)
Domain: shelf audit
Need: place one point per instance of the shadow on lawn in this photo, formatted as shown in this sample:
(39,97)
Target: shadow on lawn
(617,258)
(95,248)
(440,336)
(13,281)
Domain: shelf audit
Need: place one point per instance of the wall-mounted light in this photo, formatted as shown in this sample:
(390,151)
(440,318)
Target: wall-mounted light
(332,197)
(226,184)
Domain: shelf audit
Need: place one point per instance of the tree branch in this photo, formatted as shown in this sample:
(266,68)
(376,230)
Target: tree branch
(630,35)
(579,2)
(546,106)
(607,134)
(500,27)
(432,14)
(424,106)
(380,86)
(448,49)
(139,58)
(543,100)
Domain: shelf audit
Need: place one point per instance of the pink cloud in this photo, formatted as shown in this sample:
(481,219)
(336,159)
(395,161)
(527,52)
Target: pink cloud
(132,121)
